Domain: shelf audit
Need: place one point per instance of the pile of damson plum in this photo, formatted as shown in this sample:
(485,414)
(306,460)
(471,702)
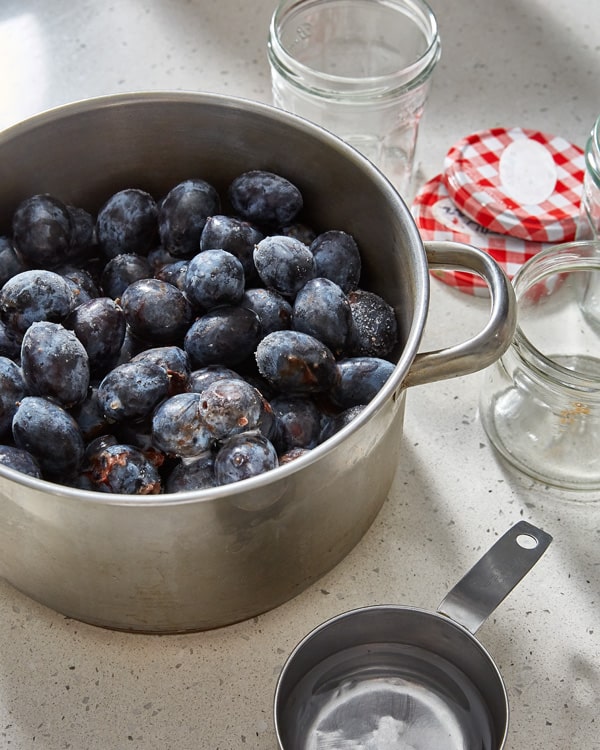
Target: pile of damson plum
(167,344)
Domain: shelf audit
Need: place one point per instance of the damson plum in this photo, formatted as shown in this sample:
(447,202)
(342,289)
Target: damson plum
(174,273)
(100,326)
(89,415)
(231,406)
(182,215)
(41,230)
(12,390)
(192,474)
(334,422)
(337,258)
(83,283)
(322,310)
(375,331)
(127,223)
(178,426)
(174,361)
(299,422)
(214,278)
(300,231)
(50,434)
(284,264)
(20,460)
(33,296)
(55,363)
(156,311)
(10,343)
(360,379)
(205,376)
(122,271)
(83,237)
(236,236)
(273,311)
(10,263)
(243,456)
(124,469)
(296,362)
(265,198)
(227,336)
(132,390)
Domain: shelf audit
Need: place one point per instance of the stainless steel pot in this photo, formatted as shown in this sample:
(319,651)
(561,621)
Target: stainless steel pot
(199,560)
(393,676)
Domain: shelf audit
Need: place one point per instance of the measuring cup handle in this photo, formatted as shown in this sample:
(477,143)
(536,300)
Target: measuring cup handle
(492,341)
(490,580)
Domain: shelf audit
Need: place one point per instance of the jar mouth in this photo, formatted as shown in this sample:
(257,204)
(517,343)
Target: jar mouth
(554,262)
(331,85)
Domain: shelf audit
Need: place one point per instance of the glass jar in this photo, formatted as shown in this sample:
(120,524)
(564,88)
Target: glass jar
(540,403)
(359,68)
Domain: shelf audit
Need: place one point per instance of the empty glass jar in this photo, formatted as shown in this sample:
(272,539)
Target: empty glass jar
(540,403)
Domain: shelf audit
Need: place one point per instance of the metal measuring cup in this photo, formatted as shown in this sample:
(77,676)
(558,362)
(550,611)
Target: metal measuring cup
(390,677)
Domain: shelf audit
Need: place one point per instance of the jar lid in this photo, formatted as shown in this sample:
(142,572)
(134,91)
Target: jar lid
(438,218)
(519,182)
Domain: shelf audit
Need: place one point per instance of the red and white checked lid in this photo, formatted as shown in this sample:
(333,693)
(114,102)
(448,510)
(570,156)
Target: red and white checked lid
(438,218)
(519,182)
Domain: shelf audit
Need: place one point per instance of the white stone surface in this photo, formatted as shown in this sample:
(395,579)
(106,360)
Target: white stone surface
(63,684)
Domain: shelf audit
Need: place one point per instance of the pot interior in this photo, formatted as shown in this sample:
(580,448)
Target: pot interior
(84,152)
(392,677)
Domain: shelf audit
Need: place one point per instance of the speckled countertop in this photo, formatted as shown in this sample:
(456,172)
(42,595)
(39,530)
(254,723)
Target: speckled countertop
(63,684)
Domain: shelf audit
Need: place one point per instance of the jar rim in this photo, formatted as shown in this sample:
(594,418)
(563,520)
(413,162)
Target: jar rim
(356,87)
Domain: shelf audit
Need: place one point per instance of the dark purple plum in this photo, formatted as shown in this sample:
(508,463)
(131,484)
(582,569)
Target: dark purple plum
(230,406)
(41,231)
(214,278)
(335,422)
(100,326)
(55,363)
(205,376)
(89,415)
(50,434)
(225,336)
(192,474)
(375,330)
(12,390)
(178,426)
(156,311)
(10,263)
(124,469)
(132,390)
(360,379)
(174,273)
(273,311)
(127,223)
(284,264)
(83,234)
(322,310)
(182,215)
(236,236)
(299,422)
(265,198)
(174,360)
(337,258)
(122,271)
(296,362)
(32,296)
(20,460)
(243,456)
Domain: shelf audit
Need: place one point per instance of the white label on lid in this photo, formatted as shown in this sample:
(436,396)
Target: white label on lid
(527,172)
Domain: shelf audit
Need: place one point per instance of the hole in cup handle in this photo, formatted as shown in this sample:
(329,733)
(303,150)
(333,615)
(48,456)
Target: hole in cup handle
(480,591)
(491,342)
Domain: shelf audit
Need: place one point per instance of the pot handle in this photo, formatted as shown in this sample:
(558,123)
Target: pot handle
(490,580)
(492,341)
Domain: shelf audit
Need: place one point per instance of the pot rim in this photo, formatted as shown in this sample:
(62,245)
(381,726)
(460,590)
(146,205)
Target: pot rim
(390,390)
